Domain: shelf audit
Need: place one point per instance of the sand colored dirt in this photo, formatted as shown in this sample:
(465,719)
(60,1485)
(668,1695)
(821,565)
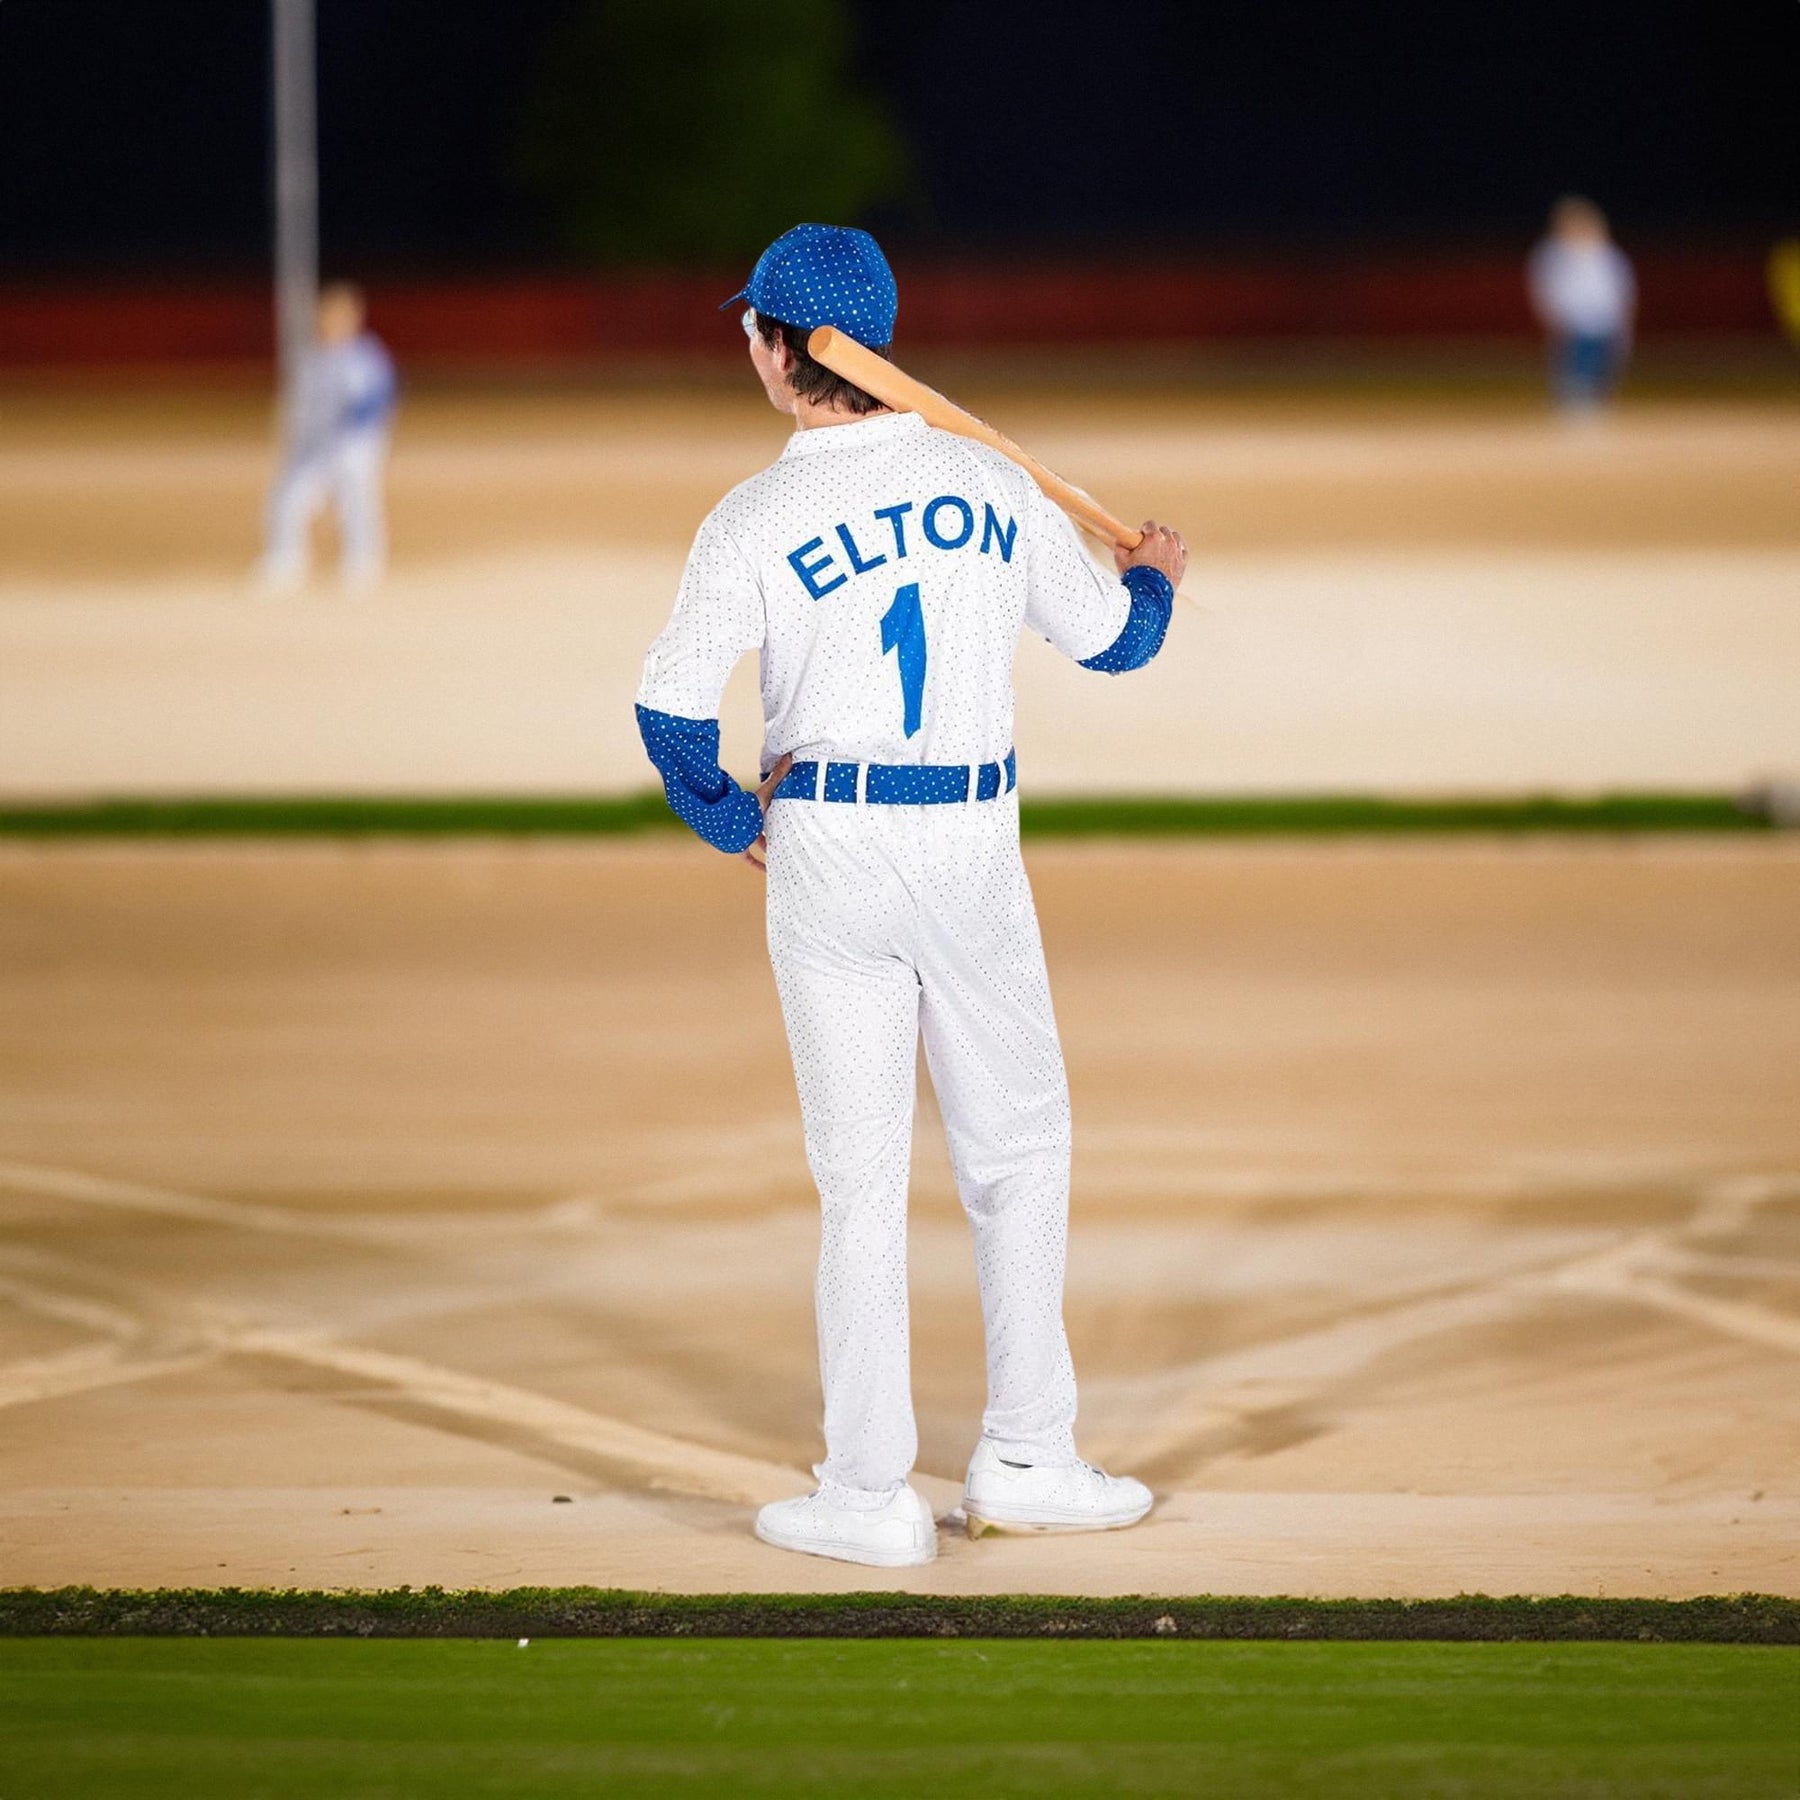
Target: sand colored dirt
(1438,1207)
(1437,1221)
(1423,597)
(171,482)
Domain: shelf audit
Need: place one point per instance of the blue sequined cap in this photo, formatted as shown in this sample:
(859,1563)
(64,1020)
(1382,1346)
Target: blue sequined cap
(826,275)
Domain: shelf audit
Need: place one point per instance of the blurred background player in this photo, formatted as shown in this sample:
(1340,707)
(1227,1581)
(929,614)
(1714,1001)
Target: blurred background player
(338,419)
(1585,296)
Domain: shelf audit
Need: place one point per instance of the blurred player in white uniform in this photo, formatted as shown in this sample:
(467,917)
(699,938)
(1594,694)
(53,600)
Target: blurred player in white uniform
(1585,297)
(884,570)
(338,423)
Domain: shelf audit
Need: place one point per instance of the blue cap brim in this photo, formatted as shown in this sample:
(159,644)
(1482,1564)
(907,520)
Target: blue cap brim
(741,294)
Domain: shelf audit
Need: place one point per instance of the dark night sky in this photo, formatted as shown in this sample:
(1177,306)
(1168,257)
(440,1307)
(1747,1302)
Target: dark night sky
(133,135)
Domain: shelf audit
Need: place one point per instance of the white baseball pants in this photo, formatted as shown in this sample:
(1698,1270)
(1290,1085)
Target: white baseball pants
(349,473)
(885,921)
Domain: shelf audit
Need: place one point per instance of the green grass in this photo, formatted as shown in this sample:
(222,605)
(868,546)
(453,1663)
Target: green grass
(1121,816)
(325,816)
(1341,814)
(270,1719)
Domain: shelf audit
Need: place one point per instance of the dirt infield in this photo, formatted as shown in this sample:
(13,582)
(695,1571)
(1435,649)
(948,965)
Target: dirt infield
(1426,597)
(1435,1226)
(1436,1205)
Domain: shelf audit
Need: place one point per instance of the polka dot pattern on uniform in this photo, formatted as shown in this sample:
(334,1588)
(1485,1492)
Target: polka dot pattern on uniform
(884,571)
(700,793)
(830,690)
(826,275)
(887,924)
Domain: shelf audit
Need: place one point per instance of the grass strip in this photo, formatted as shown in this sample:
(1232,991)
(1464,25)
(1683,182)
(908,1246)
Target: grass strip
(1347,814)
(617,1612)
(1098,816)
(286,1719)
(344,816)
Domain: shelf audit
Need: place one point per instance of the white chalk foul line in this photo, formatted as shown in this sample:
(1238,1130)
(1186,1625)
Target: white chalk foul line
(1734,1318)
(67,1307)
(162,1338)
(669,1464)
(132,1196)
(1177,1405)
(1630,1272)
(145,1339)
(81,1371)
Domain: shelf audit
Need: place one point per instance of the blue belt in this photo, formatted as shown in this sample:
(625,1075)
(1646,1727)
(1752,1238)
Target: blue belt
(900,784)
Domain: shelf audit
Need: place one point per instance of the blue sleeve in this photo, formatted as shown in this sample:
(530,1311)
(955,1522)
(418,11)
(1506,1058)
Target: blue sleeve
(375,406)
(1152,600)
(702,795)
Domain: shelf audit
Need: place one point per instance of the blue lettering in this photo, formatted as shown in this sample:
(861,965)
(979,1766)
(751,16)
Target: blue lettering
(807,571)
(993,532)
(896,516)
(903,631)
(856,561)
(968,521)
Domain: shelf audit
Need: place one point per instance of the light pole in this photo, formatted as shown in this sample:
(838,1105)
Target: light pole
(295,169)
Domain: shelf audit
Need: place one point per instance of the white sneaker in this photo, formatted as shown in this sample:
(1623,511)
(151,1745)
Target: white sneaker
(893,1537)
(1004,1496)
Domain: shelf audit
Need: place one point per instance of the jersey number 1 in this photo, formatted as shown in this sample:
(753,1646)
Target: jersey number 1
(903,630)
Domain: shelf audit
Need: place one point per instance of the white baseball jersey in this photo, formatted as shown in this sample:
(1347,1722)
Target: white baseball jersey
(1584,289)
(340,390)
(884,570)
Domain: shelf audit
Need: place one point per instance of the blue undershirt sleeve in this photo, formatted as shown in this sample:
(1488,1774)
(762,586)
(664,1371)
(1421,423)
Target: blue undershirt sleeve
(1152,600)
(375,407)
(701,794)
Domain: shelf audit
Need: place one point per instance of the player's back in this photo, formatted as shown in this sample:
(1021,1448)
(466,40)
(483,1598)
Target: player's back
(895,565)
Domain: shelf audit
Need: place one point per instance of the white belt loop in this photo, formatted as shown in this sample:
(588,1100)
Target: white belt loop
(974,792)
(862,784)
(819,779)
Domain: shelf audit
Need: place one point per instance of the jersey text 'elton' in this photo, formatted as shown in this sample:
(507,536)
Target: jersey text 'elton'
(948,523)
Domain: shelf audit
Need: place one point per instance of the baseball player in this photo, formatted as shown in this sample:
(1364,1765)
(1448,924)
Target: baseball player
(339,416)
(883,570)
(1585,296)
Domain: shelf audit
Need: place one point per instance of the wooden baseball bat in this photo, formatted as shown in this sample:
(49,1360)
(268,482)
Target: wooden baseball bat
(893,387)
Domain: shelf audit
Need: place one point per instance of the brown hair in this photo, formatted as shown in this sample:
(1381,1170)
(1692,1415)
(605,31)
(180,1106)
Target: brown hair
(813,381)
